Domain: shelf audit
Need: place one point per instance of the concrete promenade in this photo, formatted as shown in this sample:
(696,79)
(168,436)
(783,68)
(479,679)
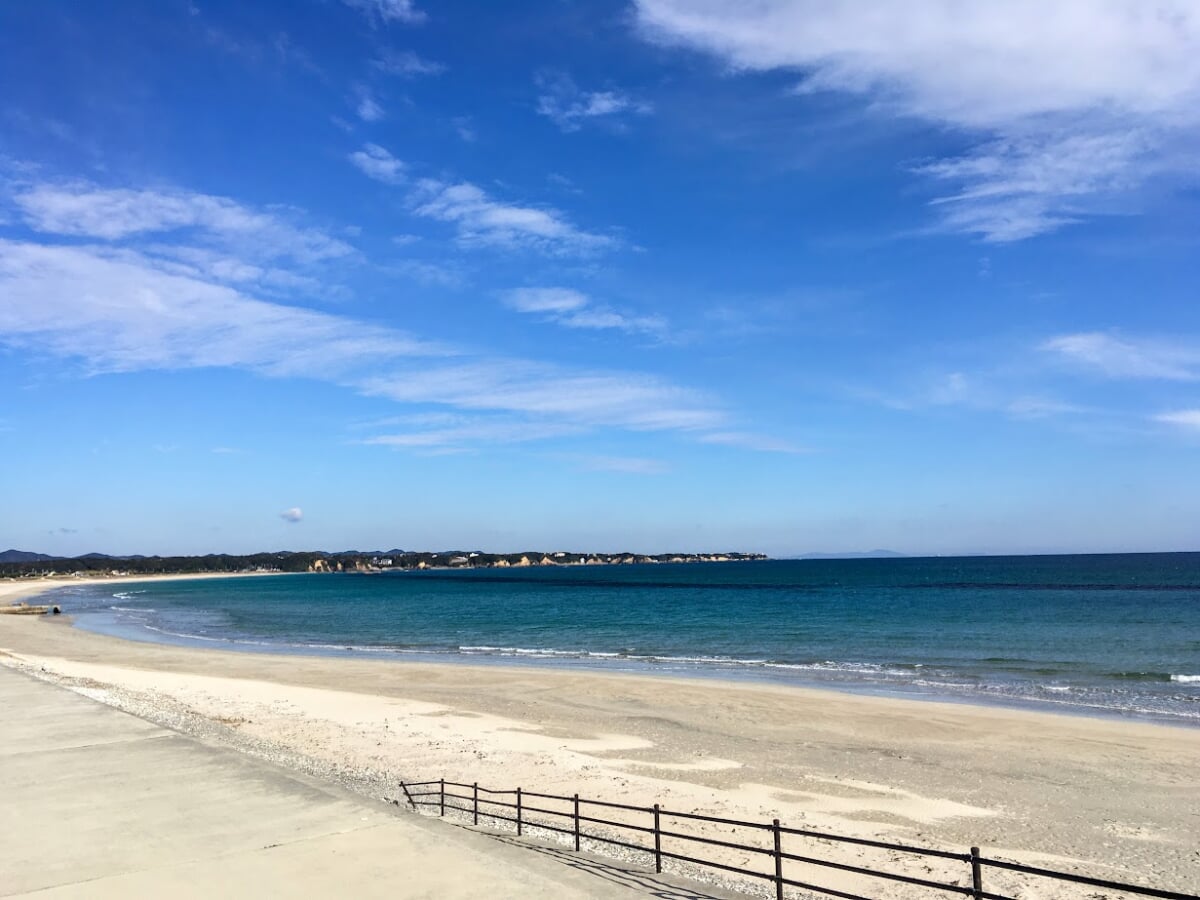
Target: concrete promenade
(97,803)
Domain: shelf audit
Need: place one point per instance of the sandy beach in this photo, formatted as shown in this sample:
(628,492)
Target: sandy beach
(1113,799)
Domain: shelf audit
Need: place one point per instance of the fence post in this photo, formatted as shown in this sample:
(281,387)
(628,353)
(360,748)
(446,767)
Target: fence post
(976,875)
(576,821)
(518,812)
(475,804)
(657,841)
(443,795)
(778,860)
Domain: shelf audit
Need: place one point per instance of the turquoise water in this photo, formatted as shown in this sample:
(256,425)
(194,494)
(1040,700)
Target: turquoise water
(1117,634)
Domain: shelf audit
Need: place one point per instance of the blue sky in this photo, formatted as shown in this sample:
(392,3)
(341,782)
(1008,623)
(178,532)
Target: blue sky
(785,276)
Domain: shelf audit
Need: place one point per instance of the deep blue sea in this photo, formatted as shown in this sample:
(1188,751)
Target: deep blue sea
(1107,634)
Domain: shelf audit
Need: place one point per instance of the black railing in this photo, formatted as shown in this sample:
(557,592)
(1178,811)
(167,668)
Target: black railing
(570,822)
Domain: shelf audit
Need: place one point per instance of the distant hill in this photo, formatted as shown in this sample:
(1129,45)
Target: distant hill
(23,556)
(864,554)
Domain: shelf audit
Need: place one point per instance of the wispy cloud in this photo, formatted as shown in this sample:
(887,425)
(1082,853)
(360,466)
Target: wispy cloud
(122,286)
(480,219)
(573,309)
(1181,418)
(1116,357)
(118,311)
(384,12)
(484,221)
(570,108)
(367,107)
(405,63)
(376,162)
(443,430)
(81,209)
(1043,408)
(537,390)
(121,311)
(1071,110)
(293,515)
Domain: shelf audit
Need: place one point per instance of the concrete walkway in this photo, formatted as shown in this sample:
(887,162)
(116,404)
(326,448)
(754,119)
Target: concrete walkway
(97,803)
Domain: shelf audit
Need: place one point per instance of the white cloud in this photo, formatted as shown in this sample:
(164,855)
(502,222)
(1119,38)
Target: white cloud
(540,391)
(573,309)
(293,515)
(1181,418)
(464,129)
(483,221)
(569,107)
(81,209)
(545,300)
(387,11)
(376,162)
(1042,408)
(448,430)
(1073,103)
(1117,357)
(406,63)
(120,311)
(368,108)
(480,219)
(174,287)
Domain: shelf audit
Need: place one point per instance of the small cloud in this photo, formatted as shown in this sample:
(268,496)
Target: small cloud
(225,451)
(570,108)
(1181,418)
(445,431)
(1117,357)
(376,162)
(403,240)
(573,309)
(563,183)
(64,531)
(368,108)
(464,129)
(295,514)
(545,300)
(484,221)
(406,64)
(1041,408)
(950,390)
(384,12)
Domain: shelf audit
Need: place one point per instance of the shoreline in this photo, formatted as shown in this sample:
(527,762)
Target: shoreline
(697,670)
(17,589)
(1107,797)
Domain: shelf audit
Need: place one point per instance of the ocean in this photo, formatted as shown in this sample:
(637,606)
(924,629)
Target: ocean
(1098,634)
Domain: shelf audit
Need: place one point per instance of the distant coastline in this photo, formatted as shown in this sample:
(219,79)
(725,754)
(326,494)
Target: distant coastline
(24,564)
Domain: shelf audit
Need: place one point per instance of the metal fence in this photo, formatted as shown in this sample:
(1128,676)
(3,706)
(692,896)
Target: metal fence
(577,814)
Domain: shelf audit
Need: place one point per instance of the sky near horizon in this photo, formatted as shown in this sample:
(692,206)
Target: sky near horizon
(782,276)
